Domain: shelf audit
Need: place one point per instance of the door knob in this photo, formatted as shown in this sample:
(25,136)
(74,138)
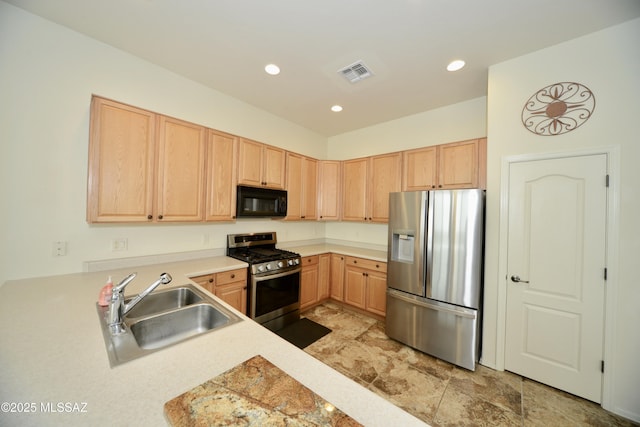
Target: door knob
(516,279)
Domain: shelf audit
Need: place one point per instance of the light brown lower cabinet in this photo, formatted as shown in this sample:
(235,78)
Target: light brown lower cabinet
(230,286)
(336,290)
(365,284)
(309,281)
(324,276)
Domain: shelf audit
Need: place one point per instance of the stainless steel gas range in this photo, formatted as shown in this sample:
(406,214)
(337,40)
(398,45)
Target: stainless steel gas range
(273,280)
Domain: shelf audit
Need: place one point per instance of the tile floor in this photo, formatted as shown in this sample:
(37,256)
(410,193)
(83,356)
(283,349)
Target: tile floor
(437,392)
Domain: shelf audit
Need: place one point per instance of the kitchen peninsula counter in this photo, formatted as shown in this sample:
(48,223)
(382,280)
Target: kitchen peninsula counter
(53,361)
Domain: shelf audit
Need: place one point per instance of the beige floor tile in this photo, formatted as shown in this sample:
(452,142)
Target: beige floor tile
(416,392)
(460,409)
(503,389)
(545,405)
(438,392)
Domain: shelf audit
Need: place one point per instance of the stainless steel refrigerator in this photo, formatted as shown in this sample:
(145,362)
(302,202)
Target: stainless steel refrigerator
(434,272)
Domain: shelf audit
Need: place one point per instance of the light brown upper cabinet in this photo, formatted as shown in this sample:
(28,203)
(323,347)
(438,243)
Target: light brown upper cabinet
(447,166)
(122,149)
(220,198)
(181,161)
(302,182)
(367,183)
(261,165)
(142,166)
(329,189)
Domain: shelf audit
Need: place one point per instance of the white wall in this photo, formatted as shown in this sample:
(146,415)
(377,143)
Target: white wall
(607,62)
(457,122)
(47,76)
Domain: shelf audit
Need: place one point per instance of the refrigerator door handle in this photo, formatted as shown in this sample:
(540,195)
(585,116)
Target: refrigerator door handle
(413,301)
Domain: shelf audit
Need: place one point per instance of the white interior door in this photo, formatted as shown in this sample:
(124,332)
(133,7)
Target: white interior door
(555,272)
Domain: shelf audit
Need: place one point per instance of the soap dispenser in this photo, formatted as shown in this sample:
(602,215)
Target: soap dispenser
(105,293)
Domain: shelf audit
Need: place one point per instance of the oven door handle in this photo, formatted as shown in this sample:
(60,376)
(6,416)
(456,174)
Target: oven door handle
(267,276)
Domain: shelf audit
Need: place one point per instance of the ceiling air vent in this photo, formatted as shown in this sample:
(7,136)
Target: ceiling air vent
(356,72)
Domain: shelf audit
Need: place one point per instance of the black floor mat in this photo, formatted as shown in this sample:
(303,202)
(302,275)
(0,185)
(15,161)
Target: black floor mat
(303,332)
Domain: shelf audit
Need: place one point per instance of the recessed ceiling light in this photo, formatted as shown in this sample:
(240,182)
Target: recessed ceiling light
(336,108)
(455,65)
(272,69)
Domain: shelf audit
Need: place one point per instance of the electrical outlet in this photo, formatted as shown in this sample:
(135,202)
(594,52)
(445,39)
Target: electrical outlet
(59,248)
(119,244)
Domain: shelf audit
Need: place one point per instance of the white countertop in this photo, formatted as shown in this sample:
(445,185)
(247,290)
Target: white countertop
(52,355)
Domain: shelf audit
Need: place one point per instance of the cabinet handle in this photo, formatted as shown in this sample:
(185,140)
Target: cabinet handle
(440,186)
(355,262)
(159,216)
(149,216)
(211,280)
(377,265)
(233,276)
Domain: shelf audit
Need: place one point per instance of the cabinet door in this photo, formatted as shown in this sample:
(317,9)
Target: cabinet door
(294,186)
(274,167)
(309,188)
(329,176)
(309,282)
(355,287)
(250,163)
(181,157)
(354,190)
(458,165)
(220,199)
(420,171)
(207,281)
(324,276)
(234,294)
(376,292)
(337,277)
(385,178)
(121,163)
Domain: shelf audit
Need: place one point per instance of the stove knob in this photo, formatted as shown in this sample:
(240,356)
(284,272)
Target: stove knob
(290,262)
(296,261)
(268,266)
(261,268)
(280,264)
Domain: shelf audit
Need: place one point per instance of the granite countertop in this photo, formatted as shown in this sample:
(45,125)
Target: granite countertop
(257,393)
(54,367)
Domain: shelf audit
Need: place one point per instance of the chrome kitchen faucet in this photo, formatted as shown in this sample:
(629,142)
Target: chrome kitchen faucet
(118,309)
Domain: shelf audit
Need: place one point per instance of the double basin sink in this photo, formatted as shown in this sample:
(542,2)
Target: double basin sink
(161,319)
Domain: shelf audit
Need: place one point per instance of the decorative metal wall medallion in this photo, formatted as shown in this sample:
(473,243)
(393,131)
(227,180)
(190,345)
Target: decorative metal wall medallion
(558,108)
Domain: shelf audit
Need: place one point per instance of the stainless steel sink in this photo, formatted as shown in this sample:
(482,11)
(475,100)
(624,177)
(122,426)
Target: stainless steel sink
(168,299)
(162,319)
(174,326)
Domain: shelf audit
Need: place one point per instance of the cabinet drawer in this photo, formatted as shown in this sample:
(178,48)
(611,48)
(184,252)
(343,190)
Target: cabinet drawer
(310,260)
(231,276)
(367,264)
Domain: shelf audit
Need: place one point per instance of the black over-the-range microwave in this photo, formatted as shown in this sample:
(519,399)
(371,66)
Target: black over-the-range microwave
(254,202)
